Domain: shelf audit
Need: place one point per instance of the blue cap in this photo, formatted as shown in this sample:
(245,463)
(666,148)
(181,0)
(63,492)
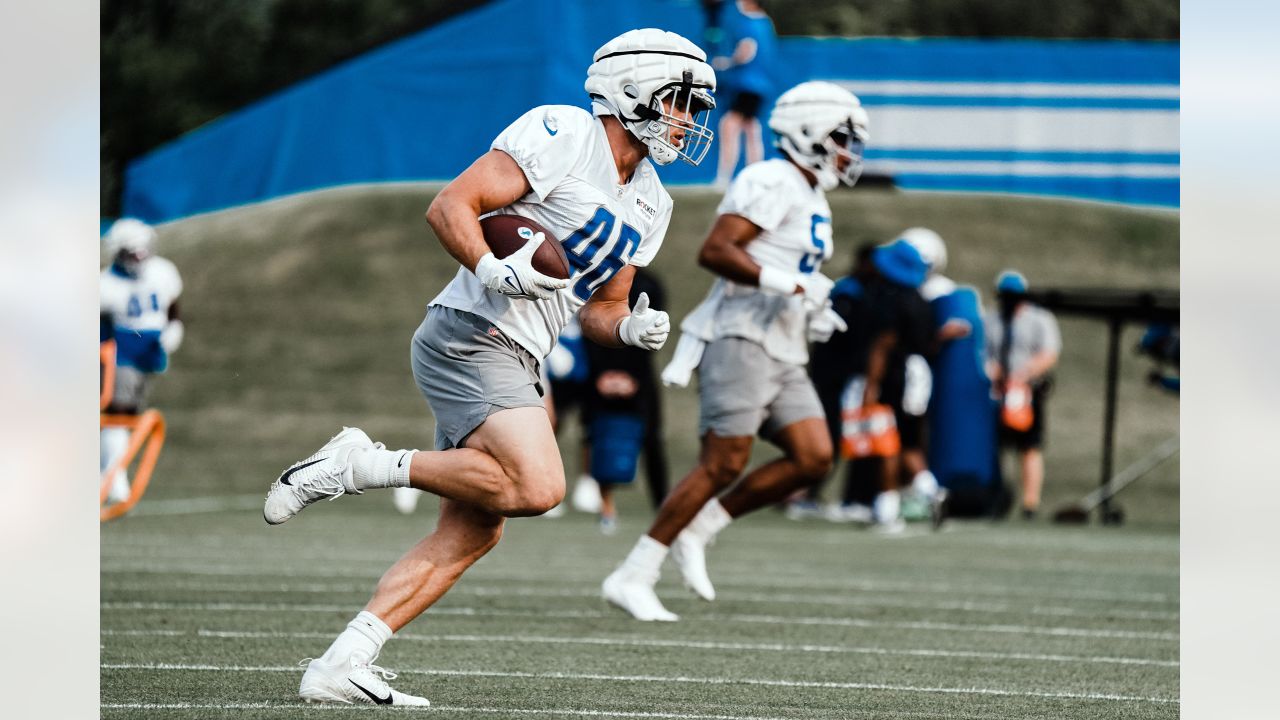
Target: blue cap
(1011,281)
(901,263)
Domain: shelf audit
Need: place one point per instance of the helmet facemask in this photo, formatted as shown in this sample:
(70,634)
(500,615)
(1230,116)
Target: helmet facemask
(675,123)
(843,143)
(130,260)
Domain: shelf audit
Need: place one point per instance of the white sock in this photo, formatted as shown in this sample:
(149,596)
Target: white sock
(361,641)
(925,484)
(113,443)
(373,468)
(888,506)
(709,521)
(645,559)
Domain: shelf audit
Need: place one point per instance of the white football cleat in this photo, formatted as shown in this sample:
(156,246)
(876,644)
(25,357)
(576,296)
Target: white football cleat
(635,595)
(405,499)
(358,683)
(325,474)
(690,555)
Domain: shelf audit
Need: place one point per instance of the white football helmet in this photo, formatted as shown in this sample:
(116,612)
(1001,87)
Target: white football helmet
(930,246)
(631,77)
(129,242)
(817,124)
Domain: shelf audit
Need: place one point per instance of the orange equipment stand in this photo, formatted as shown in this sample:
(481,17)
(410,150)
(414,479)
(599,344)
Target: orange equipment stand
(147,430)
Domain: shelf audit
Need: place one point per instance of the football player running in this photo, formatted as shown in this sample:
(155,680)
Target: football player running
(138,302)
(589,178)
(749,340)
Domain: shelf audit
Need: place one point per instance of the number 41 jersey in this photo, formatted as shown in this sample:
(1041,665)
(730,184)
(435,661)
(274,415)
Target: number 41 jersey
(602,225)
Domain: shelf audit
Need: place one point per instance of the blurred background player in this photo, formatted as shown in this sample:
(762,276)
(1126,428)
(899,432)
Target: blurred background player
(865,367)
(749,340)
(568,370)
(586,177)
(1023,344)
(743,56)
(138,302)
(918,379)
(623,416)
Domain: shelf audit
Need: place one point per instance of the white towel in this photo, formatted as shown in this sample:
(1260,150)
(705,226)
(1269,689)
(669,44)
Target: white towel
(696,330)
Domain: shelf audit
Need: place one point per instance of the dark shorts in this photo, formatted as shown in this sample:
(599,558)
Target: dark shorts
(910,429)
(746,104)
(1033,437)
(468,370)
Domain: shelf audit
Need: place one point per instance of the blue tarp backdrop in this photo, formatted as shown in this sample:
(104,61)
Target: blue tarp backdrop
(1096,120)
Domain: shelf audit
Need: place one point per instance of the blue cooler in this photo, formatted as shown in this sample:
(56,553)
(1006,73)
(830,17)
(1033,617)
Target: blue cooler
(616,441)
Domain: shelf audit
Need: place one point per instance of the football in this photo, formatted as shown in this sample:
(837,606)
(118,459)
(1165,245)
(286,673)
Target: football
(506,234)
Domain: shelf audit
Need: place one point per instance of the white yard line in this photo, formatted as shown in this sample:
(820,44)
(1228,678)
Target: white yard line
(436,708)
(197,505)
(433,708)
(682,679)
(733,618)
(841,600)
(350,560)
(560,579)
(507,712)
(679,644)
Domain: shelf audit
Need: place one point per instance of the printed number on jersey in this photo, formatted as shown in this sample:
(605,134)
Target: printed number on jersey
(587,253)
(820,235)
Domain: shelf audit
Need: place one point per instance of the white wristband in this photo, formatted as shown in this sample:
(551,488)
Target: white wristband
(778,282)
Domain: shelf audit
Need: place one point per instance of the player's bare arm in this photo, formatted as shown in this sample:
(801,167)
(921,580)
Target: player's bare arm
(493,181)
(607,320)
(724,253)
(602,314)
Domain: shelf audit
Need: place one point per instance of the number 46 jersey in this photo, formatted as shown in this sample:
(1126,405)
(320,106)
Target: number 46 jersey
(602,225)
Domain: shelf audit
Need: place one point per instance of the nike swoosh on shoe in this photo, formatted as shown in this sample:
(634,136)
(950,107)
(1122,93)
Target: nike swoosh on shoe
(284,479)
(375,698)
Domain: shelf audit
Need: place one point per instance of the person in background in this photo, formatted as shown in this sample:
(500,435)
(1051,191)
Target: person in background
(623,415)
(568,373)
(743,59)
(1023,344)
(138,306)
(749,342)
(832,365)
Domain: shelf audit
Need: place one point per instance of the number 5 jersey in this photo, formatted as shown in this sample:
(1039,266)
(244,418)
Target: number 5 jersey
(795,236)
(602,225)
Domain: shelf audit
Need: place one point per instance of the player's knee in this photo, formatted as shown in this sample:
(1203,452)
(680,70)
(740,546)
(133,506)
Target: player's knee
(724,469)
(534,492)
(815,463)
(527,502)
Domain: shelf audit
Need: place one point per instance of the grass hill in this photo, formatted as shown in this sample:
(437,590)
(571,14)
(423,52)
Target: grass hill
(299,313)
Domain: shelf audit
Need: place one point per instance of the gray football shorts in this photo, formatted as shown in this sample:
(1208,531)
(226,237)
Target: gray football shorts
(744,391)
(468,369)
(130,389)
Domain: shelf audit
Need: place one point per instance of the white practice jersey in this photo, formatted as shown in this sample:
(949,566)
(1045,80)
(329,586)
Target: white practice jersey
(795,223)
(139,310)
(602,225)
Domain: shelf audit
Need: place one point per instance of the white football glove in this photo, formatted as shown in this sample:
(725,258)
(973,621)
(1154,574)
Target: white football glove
(824,323)
(644,328)
(171,336)
(817,290)
(514,275)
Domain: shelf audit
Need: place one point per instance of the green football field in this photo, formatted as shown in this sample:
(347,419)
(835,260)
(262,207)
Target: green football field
(207,611)
(298,318)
